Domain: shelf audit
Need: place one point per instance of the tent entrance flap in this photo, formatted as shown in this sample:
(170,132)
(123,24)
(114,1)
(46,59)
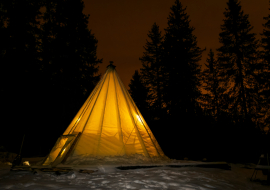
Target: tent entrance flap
(68,152)
(60,149)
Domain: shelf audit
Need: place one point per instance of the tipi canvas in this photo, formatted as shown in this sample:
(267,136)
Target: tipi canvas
(108,124)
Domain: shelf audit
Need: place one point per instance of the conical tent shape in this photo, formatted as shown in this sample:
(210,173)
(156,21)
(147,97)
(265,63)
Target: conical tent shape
(108,124)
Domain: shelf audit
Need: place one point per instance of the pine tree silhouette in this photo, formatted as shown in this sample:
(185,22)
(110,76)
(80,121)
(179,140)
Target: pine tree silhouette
(20,63)
(264,75)
(182,70)
(152,70)
(69,55)
(210,81)
(235,57)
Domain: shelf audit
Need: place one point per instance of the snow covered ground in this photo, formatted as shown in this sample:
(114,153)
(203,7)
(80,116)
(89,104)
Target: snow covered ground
(185,178)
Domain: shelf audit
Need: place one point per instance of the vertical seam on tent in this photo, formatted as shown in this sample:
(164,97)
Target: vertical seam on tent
(129,136)
(149,135)
(119,127)
(93,105)
(138,133)
(103,116)
(153,141)
(144,126)
(85,108)
(103,78)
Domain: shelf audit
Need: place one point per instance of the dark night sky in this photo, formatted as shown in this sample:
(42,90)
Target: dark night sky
(121,26)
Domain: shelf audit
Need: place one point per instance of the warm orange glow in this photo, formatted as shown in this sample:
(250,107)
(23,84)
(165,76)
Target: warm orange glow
(63,152)
(26,163)
(266,129)
(109,123)
(139,118)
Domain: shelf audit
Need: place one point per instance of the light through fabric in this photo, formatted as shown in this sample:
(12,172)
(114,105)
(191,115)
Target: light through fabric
(111,124)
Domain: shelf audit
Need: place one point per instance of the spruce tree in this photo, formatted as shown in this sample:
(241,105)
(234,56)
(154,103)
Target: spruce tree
(20,62)
(264,73)
(19,51)
(210,84)
(181,65)
(139,93)
(151,72)
(19,42)
(237,58)
(69,54)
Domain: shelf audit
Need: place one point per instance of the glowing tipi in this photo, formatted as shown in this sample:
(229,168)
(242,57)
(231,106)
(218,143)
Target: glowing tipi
(108,124)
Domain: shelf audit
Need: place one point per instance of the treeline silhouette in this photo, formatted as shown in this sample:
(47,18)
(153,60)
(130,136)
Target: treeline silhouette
(48,67)
(220,112)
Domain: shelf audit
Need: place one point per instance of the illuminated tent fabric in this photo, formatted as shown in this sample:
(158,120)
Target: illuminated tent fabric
(108,124)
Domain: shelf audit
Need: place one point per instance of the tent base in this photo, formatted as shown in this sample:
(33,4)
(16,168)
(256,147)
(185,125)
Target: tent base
(109,168)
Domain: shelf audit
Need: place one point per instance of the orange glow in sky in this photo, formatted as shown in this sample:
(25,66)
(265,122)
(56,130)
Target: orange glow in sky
(121,27)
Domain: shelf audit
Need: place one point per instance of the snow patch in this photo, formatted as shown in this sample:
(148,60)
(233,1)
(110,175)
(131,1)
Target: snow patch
(8,186)
(166,177)
(138,181)
(157,178)
(103,182)
(97,178)
(72,176)
(173,184)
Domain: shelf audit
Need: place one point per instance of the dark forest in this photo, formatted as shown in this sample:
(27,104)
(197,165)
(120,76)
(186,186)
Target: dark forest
(49,66)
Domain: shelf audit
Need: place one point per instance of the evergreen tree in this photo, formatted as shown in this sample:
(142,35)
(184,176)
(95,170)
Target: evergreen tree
(53,63)
(210,81)
(69,54)
(237,58)
(264,73)
(152,73)
(19,42)
(182,70)
(72,54)
(19,56)
(20,61)
(181,83)
(139,93)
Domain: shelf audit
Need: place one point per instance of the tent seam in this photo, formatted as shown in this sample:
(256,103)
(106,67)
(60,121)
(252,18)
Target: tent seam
(120,128)
(139,135)
(85,108)
(103,116)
